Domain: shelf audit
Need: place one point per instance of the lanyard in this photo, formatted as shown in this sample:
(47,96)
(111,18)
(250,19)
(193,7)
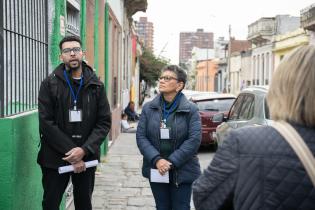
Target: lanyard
(167,113)
(74,96)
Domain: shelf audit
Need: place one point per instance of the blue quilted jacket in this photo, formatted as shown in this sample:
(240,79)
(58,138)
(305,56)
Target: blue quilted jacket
(187,135)
(255,168)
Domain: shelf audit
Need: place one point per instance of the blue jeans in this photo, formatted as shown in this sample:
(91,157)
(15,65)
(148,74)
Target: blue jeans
(170,197)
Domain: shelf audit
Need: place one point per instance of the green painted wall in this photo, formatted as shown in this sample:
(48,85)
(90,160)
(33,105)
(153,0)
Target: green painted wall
(106,31)
(106,46)
(96,46)
(55,37)
(20,176)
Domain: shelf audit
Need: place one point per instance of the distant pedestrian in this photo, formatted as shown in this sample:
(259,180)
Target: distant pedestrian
(125,127)
(130,111)
(74,119)
(168,137)
(255,168)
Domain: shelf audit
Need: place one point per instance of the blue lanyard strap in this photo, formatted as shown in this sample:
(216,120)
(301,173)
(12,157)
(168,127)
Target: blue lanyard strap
(74,96)
(173,107)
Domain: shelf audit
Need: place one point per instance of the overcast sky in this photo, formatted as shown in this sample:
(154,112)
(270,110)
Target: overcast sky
(170,17)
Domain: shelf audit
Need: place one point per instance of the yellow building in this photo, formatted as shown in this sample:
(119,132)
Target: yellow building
(285,43)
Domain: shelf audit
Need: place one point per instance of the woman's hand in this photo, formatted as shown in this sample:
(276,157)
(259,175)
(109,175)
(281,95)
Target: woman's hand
(163,166)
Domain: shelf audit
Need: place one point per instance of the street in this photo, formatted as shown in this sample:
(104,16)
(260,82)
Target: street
(119,184)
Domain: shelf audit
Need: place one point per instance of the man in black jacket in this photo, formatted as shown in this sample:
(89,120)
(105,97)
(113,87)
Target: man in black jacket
(74,119)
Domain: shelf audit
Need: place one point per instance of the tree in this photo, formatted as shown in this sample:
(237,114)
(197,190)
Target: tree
(150,67)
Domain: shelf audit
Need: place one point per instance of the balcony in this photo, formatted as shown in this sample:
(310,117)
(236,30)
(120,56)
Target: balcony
(134,6)
(308,18)
(261,31)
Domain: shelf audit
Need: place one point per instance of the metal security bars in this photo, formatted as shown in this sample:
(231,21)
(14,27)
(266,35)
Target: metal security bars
(23,53)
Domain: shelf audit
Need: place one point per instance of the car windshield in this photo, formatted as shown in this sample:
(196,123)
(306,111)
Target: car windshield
(218,105)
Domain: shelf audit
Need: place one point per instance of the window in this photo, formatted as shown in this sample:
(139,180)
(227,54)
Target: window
(235,110)
(73,20)
(247,111)
(24,54)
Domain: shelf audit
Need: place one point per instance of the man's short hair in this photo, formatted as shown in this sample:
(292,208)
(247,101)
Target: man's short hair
(70,39)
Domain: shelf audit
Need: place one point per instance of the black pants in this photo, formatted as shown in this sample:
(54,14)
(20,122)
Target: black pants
(54,185)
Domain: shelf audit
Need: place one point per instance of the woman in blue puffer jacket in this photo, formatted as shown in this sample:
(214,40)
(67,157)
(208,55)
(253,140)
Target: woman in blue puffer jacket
(255,168)
(168,137)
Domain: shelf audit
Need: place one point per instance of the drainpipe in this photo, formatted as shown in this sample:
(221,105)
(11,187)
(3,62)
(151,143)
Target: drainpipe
(83,24)
(106,47)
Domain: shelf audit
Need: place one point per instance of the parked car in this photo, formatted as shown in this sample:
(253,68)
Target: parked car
(209,105)
(193,93)
(249,108)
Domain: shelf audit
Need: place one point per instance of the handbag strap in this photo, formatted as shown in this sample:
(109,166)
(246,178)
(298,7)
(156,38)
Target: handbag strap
(298,145)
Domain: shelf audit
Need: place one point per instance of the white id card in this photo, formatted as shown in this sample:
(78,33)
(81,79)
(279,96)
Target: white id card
(75,116)
(165,133)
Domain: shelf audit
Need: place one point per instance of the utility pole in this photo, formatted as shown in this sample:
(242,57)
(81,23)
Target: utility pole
(207,67)
(228,85)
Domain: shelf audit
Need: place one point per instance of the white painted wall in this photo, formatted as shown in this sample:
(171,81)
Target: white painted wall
(246,72)
(235,66)
(258,68)
(118,8)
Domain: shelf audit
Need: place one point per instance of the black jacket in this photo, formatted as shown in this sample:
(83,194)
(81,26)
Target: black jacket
(57,134)
(257,169)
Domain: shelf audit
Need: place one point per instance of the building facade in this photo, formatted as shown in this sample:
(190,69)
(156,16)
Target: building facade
(284,44)
(189,40)
(220,54)
(205,75)
(29,36)
(235,49)
(308,21)
(145,31)
(261,34)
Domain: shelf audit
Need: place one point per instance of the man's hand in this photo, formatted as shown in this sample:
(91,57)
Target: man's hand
(163,166)
(74,155)
(79,167)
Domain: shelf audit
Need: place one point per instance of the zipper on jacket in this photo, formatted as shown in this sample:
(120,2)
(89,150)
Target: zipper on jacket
(175,171)
(88,104)
(159,133)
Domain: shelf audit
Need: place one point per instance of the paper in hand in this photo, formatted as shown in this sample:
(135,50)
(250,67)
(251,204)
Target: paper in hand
(158,178)
(69,168)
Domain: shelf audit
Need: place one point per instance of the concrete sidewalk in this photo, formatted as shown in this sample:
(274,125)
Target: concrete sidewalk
(119,184)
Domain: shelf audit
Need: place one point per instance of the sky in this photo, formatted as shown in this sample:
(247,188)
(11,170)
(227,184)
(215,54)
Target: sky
(170,17)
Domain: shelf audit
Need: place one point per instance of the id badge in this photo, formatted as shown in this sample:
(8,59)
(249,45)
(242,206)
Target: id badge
(75,115)
(165,133)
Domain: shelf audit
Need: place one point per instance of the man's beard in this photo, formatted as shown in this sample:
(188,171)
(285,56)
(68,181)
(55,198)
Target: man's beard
(75,68)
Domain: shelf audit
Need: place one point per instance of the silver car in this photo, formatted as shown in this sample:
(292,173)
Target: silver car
(249,108)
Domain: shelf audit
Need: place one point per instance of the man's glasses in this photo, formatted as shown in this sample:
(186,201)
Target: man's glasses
(167,78)
(75,50)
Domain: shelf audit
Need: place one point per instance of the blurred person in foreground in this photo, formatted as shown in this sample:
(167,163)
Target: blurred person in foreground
(168,137)
(256,168)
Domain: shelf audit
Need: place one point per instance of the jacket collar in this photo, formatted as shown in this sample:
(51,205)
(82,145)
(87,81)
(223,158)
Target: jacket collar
(183,106)
(88,74)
